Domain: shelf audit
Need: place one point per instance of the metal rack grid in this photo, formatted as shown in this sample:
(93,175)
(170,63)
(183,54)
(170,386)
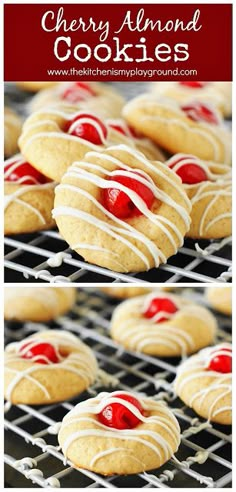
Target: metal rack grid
(26,255)
(26,259)
(28,429)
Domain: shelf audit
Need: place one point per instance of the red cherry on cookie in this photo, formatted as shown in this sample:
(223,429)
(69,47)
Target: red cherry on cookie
(79,91)
(123,128)
(190,173)
(118,416)
(119,203)
(221,362)
(197,111)
(194,85)
(39,351)
(24,173)
(158,305)
(88,127)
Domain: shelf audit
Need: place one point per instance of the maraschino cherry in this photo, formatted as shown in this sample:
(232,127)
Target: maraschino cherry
(221,362)
(88,127)
(158,305)
(24,173)
(194,84)
(198,111)
(116,415)
(40,352)
(119,203)
(78,91)
(190,173)
(122,127)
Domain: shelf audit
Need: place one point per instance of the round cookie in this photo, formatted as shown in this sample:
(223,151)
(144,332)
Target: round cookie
(89,96)
(35,86)
(204,383)
(125,292)
(163,325)
(209,187)
(218,94)
(220,298)
(12,131)
(29,198)
(118,210)
(48,367)
(144,145)
(52,139)
(38,303)
(195,128)
(95,435)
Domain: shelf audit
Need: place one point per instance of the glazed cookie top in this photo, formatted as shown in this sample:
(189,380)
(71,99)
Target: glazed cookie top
(121,418)
(49,133)
(89,95)
(161,319)
(122,194)
(216,93)
(48,350)
(12,130)
(19,172)
(204,180)
(199,118)
(22,303)
(212,369)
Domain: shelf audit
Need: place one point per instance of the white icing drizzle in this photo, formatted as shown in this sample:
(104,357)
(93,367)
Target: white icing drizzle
(195,367)
(53,482)
(25,463)
(57,260)
(216,135)
(16,162)
(81,363)
(89,120)
(150,438)
(78,171)
(45,120)
(219,182)
(212,92)
(24,188)
(142,332)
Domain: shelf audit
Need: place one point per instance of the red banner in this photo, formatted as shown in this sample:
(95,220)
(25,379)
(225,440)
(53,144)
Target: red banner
(117,42)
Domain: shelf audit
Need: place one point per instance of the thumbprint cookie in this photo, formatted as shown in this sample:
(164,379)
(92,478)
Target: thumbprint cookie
(118,210)
(119,433)
(204,383)
(162,324)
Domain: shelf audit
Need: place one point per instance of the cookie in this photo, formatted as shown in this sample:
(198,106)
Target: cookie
(35,86)
(119,433)
(144,145)
(220,298)
(52,139)
(102,99)
(29,198)
(118,210)
(218,94)
(48,367)
(12,131)
(204,383)
(124,292)
(38,303)
(209,187)
(162,324)
(195,128)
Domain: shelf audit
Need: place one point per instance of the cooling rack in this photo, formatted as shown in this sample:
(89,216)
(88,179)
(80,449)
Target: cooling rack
(32,456)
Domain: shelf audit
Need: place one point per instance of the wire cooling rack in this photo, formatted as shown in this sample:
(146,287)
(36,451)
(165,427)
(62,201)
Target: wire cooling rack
(26,256)
(32,456)
(26,259)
